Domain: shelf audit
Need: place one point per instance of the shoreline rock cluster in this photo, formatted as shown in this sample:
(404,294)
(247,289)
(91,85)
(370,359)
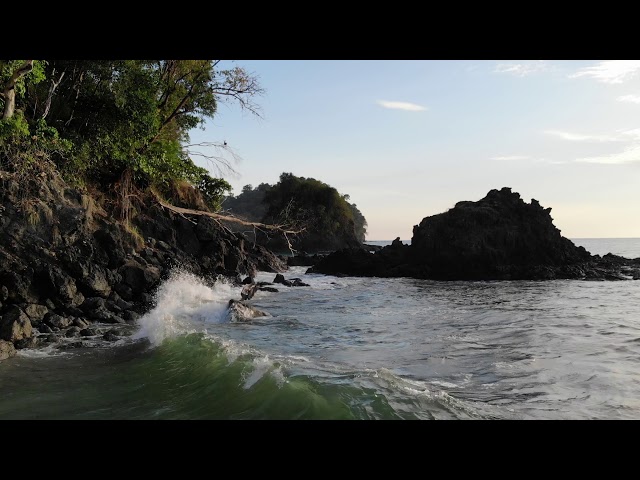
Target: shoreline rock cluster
(69,270)
(499,237)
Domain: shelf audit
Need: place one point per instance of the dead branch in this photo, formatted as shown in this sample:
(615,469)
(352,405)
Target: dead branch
(217,158)
(284,229)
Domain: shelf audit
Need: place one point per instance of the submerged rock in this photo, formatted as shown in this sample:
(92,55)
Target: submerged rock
(240,311)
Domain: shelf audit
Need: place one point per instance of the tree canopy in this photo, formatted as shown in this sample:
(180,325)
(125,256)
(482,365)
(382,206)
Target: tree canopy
(103,121)
(330,221)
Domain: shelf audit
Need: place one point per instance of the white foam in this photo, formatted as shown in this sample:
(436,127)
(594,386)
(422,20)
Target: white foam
(48,351)
(184,303)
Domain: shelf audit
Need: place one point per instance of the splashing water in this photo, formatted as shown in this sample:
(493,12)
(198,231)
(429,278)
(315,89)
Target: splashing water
(182,303)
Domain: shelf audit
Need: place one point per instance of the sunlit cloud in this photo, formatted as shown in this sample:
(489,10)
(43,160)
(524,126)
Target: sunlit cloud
(610,71)
(508,158)
(628,155)
(409,107)
(629,98)
(522,69)
(578,137)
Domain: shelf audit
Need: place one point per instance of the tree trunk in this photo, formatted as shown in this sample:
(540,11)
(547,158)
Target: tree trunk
(10,89)
(52,90)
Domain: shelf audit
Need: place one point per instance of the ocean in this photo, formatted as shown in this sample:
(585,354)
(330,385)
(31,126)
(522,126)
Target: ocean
(355,348)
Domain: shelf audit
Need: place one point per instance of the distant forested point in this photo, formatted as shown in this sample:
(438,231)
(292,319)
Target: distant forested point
(330,220)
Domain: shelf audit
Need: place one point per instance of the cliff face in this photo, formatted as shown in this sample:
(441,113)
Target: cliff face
(499,237)
(65,263)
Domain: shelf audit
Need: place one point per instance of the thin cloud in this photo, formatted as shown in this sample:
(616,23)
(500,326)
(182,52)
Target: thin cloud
(578,137)
(628,155)
(508,158)
(522,69)
(610,71)
(629,98)
(409,107)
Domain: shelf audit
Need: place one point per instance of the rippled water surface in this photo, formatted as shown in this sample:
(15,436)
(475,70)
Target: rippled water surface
(354,348)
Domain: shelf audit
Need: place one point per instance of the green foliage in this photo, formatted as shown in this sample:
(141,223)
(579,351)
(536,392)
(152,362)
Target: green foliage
(14,129)
(249,204)
(100,121)
(327,216)
(213,190)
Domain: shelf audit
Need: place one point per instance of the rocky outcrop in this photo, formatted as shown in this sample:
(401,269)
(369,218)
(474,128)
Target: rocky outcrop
(7,350)
(67,262)
(497,237)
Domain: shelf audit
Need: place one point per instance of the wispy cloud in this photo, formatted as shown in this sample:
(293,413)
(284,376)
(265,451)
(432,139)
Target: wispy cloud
(578,137)
(522,69)
(629,98)
(410,107)
(610,71)
(511,158)
(630,154)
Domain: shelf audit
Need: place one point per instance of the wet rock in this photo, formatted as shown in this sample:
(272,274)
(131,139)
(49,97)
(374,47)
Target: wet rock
(248,291)
(7,350)
(116,319)
(243,312)
(88,332)
(44,328)
(70,345)
(15,325)
(293,282)
(111,336)
(72,331)
(130,316)
(4,293)
(247,280)
(36,312)
(80,322)
(93,303)
(31,342)
(57,321)
(268,289)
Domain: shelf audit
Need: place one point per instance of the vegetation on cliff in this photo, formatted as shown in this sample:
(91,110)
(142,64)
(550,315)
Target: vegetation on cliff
(117,125)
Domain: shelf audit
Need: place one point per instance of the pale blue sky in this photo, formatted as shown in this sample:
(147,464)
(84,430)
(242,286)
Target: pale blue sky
(408,139)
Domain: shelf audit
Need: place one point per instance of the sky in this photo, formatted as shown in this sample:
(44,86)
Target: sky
(409,139)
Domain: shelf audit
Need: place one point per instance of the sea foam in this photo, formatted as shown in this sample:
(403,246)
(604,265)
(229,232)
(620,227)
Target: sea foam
(183,304)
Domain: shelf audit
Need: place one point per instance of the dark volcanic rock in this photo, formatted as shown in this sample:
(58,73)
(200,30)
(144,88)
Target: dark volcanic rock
(243,312)
(497,237)
(77,253)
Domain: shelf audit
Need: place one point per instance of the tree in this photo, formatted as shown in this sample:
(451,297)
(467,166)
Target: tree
(327,216)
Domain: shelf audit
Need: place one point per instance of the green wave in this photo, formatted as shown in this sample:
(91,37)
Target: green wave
(193,376)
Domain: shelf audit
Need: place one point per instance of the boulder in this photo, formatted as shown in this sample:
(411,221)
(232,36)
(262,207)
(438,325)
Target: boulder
(15,325)
(36,312)
(57,321)
(7,350)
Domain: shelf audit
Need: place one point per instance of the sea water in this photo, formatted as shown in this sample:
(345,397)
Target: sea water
(355,348)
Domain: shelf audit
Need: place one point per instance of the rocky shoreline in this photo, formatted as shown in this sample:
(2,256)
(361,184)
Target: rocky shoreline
(71,276)
(68,270)
(499,237)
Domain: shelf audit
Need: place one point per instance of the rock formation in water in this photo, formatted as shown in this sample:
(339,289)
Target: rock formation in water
(497,237)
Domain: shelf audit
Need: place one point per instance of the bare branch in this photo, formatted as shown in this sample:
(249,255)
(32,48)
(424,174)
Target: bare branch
(217,158)
(284,229)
